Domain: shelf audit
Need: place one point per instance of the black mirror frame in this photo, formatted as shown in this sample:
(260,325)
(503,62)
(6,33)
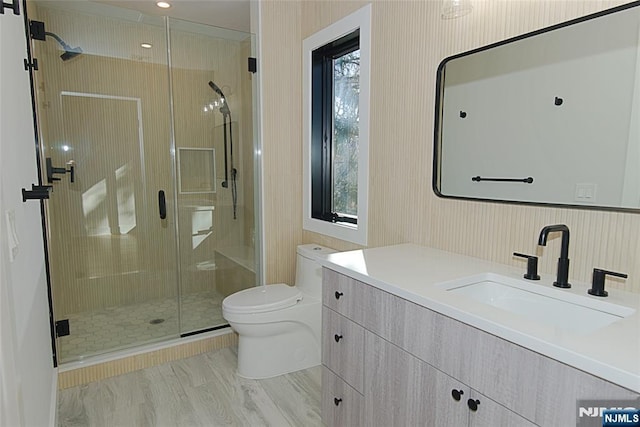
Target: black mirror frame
(440,75)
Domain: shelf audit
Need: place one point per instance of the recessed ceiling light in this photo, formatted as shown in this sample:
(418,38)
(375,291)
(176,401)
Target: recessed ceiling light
(146,45)
(163,4)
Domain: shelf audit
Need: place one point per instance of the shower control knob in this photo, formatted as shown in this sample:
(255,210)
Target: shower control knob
(336,401)
(338,294)
(473,404)
(457,394)
(337,337)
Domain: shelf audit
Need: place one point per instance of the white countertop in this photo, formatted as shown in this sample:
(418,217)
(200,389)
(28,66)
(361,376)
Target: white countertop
(414,272)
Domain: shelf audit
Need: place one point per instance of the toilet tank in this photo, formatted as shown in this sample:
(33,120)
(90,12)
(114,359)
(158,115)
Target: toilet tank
(308,270)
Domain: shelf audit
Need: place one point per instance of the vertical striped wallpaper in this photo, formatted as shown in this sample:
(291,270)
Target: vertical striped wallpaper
(282,131)
(409,41)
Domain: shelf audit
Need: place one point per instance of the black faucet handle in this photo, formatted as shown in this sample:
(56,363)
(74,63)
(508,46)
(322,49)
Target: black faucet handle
(532,266)
(597,283)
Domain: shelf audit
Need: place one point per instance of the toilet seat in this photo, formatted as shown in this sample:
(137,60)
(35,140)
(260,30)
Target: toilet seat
(261,299)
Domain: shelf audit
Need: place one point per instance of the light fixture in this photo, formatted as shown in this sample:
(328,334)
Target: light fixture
(455,8)
(163,5)
(146,45)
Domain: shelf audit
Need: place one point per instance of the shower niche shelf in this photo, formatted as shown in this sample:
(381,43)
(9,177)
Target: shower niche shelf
(197,170)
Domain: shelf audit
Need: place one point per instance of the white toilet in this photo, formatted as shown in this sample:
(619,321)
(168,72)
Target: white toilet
(278,326)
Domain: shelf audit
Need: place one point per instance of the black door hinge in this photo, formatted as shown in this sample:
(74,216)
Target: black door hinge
(62,328)
(15,5)
(37,192)
(252,65)
(31,65)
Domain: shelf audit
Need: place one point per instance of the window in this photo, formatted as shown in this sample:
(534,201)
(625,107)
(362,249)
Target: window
(334,130)
(336,79)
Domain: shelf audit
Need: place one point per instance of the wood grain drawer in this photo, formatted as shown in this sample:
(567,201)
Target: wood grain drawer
(341,404)
(344,295)
(343,348)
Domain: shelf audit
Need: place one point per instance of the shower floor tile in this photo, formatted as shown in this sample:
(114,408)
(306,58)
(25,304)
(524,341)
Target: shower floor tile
(117,328)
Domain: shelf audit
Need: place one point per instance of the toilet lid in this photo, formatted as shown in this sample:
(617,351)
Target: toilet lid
(262,298)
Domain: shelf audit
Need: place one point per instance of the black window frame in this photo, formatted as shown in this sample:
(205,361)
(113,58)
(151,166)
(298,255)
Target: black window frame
(322,104)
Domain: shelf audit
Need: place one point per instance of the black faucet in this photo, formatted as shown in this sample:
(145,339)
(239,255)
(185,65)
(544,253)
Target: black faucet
(562,280)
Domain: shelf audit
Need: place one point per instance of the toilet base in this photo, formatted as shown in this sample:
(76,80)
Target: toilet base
(273,355)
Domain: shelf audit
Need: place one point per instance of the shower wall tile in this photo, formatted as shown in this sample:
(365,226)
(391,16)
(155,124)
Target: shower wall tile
(409,41)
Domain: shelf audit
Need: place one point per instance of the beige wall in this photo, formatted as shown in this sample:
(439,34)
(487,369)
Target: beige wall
(408,42)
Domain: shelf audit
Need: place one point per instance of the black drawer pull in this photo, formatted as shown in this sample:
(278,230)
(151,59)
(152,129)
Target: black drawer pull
(473,404)
(336,401)
(338,294)
(456,394)
(337,337)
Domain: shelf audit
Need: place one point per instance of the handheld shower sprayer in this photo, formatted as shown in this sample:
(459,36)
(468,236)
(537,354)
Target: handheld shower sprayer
(226,115)
(224,108)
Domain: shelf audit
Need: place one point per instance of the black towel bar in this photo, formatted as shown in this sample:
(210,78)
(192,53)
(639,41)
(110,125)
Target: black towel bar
(527,180)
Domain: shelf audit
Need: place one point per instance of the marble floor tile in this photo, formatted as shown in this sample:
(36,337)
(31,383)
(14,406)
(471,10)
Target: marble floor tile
(199,391)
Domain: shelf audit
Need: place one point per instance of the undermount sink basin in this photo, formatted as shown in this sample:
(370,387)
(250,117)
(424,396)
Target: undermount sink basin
(574,313)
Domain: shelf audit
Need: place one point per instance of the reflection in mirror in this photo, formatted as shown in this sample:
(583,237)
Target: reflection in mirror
(551,117)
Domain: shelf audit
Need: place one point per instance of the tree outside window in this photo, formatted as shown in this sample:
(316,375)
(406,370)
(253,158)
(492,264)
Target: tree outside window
(346,89)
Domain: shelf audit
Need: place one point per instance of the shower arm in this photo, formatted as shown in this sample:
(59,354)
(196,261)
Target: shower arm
(62,43)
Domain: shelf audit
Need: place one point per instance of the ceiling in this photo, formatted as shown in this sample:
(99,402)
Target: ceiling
(231,14)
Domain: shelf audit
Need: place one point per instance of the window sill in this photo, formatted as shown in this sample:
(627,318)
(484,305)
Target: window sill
(353,233)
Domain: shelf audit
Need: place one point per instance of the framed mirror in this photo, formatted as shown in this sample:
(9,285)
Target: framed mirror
(551,117)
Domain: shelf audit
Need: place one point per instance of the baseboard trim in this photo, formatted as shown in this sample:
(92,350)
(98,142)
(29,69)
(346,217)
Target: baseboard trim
(75,374)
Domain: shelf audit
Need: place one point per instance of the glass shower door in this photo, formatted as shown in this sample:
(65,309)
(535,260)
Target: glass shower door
(213,128)
(104,114)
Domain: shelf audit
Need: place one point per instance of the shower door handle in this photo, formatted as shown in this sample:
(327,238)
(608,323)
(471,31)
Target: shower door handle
(72,170)
(52,170)
(162,204)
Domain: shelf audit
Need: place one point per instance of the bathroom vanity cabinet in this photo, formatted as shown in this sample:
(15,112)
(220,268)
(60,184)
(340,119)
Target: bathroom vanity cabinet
(388,361)
(403,390)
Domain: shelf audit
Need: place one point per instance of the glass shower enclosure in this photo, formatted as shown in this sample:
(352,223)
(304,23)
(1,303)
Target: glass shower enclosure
(146,134)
